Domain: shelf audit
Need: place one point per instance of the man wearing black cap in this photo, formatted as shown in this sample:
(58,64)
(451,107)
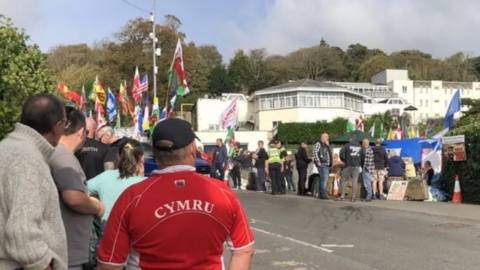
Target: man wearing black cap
(171,200)
(302,165)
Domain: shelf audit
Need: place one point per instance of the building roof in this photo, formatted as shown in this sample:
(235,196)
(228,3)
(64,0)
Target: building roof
(305,84)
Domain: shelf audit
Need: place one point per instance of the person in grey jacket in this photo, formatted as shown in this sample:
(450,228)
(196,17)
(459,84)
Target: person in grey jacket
(220,160)
(32,234)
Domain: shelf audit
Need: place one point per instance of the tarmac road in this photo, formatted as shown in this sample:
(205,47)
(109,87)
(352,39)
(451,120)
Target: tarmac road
(305,233)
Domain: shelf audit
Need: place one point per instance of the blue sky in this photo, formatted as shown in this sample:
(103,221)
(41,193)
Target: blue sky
(280,26)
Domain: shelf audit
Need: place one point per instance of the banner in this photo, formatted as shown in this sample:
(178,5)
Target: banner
(228,118)
(454,148)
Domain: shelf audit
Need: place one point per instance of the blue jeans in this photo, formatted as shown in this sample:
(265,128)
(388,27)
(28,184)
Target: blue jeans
(367,181)
(322,184)
(291,185)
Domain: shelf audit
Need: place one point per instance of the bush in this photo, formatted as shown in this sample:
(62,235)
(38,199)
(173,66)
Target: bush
(468,171)
(295,133)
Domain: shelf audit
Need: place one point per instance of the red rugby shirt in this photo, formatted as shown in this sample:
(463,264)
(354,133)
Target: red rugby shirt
(174,220)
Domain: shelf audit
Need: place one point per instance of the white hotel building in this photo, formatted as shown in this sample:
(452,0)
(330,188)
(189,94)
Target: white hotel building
(314,101)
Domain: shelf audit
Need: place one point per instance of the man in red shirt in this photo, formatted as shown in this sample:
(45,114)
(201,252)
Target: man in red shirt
(176,219)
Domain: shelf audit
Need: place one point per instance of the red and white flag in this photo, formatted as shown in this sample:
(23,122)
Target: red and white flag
(398,133)
(136,86)
(360,123)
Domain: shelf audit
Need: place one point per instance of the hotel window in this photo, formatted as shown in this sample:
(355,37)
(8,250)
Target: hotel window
(288,102)
(426,90)
(421,90)
(445,90)
(437,115)
(276,123)
(426,103)
(468,91)
(294,101)
(446,103)
(331,99)
(302,101)
(451,90)
(282,102)
(421,103)
(426,115)
(462,91)
(309,101)
(421,115)
(437,101)
(436,87)
(404,89)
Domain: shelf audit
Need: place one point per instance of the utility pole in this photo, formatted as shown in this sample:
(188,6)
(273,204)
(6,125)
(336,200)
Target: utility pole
(156,51)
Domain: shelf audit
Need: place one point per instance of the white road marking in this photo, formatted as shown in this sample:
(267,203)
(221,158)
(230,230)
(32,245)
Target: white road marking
(293,240)
(337,246)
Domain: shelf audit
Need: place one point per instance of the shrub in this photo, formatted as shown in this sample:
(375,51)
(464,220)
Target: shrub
(468,171)
(295,133)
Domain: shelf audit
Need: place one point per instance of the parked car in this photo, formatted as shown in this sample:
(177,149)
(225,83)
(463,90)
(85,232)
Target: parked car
(151,164)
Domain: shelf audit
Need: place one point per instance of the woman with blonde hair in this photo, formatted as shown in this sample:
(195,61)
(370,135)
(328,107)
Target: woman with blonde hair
(109,185)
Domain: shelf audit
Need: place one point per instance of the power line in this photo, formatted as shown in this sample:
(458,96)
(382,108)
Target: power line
(139,8)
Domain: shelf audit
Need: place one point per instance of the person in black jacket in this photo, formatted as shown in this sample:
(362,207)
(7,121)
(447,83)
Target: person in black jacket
(302,165)
(323,158)
(380,158)
(350,154)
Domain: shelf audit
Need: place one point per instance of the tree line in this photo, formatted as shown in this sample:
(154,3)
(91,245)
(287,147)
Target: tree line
(26,69)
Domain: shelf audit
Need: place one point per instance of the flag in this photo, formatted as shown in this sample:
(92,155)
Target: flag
(430,128)
(177,82)
(230,140)
(143,88)
(155,113)
(228,118)
(455,106)
(412,133)
(372,130)
(360,124)
(140,120)
(130,107)
(390,135)
(100,120)
(69,94)
(405,134)
(146,116)
(83,102)
(418,133)
(398,133)
(100,95)
(136,86)
(92,92)
(111,106)
(351,122)
(382,134)
(118,123)
(122,98)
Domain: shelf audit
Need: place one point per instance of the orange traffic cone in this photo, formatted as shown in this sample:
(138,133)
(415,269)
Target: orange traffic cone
(457,192)
(335,186)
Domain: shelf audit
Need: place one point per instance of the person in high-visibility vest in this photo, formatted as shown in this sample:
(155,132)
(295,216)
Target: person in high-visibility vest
(275,168)
(283,157)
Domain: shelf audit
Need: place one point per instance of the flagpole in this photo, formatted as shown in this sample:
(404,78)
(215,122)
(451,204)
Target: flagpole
(155,50)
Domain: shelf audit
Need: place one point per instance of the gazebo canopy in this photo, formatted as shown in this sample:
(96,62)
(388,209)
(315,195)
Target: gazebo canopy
(345,138)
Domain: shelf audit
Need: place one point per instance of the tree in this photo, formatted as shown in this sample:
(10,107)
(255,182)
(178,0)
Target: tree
(24,72)
(378,119)
(172,22)
(219,82)
(240,72)
(374,65)
(211,56)
(316,63)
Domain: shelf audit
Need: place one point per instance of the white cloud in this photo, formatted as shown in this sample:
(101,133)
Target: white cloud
(24,13)
(440,27)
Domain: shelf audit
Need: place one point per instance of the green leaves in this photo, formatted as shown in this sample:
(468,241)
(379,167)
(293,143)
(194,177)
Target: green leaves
(310,132)
(23,72)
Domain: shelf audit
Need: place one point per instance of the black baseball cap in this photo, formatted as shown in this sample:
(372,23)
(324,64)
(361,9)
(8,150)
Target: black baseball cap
(172,134)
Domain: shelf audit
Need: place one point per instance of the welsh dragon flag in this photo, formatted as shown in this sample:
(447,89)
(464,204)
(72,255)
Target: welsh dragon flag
(351,122)
(177,82)
(155,117)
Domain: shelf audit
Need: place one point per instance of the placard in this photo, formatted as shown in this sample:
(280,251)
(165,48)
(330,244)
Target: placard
(454,148)
(397,190)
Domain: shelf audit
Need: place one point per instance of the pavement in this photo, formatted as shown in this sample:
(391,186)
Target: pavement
(303,233)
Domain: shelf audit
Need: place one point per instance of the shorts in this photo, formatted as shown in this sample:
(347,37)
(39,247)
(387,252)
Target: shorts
(379,175)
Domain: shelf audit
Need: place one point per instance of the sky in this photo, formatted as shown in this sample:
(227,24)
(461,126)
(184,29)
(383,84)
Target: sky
(439,27)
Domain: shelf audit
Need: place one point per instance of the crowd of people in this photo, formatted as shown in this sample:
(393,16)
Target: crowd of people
(375,166)
(71,189)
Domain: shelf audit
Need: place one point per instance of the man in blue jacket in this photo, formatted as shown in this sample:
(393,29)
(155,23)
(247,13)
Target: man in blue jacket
(220,160)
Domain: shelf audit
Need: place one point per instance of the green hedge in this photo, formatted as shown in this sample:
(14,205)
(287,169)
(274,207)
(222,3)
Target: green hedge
(468,171)
(295,133)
